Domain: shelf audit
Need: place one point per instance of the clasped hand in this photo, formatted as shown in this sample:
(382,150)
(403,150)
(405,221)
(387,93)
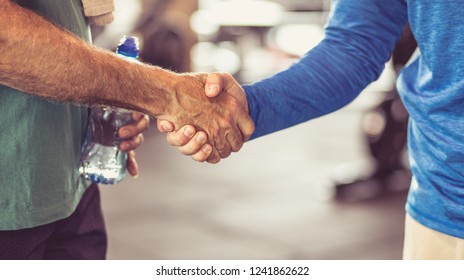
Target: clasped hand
(213,132)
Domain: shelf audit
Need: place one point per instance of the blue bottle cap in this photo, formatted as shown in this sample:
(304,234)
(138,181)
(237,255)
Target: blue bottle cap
(129,46)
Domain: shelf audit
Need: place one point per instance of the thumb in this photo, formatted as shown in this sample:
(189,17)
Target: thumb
(214,84)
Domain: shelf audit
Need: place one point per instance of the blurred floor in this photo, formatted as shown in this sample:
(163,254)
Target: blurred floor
(265,202)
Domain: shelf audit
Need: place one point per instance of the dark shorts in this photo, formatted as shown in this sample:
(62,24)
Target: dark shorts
(80,236)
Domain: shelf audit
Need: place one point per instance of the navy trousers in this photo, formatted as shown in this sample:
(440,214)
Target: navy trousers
(80,236)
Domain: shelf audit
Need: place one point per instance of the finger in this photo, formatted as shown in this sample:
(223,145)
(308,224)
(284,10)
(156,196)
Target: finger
(164,126)
(132,143)
(182,136)
(224,150)
(135,128)
(194,145)
(137,116)
(214,157)
(235,140)
(231,141)
(132,166)
(214,84)
(203,154)
(246,126)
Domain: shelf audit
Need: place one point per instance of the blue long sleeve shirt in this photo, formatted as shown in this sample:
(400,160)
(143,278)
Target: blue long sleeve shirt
(359,38)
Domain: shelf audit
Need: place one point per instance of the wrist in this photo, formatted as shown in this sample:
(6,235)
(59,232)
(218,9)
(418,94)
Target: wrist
(156,88)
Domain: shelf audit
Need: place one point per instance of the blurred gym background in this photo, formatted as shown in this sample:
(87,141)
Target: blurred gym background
(331,188)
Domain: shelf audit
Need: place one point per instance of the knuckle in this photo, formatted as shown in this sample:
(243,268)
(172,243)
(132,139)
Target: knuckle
(225,152)
(159,125)
(170,139)
(213,160)
(177,139)
(141,126)
(145,124)
(237,147)
(125,132)
(185,150)
(248,131)
(140,138)
(235,140)
(200,157)
(188,149)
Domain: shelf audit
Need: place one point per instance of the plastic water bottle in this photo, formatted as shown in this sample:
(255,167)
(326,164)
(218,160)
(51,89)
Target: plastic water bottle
(101,159)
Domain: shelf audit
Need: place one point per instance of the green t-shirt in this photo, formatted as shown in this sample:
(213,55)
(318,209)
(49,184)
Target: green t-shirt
(40,141)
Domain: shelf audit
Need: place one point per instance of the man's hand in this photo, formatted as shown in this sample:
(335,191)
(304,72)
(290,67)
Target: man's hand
(133,138)
(193,143)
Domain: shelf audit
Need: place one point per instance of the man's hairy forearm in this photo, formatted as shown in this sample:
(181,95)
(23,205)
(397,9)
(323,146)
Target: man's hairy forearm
(41,59)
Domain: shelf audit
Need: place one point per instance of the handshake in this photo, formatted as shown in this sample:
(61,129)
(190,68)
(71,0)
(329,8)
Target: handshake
(208,117)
